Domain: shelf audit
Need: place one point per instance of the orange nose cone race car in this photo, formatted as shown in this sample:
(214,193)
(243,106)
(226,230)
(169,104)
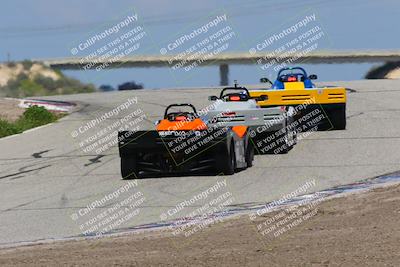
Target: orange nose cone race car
(182,142)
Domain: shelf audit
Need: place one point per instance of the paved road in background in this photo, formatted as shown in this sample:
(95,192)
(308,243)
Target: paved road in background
(45,177)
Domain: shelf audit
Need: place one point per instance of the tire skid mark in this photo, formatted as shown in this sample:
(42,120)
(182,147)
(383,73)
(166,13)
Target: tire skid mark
(23,171)
(59,156)
(22,205)
(39,154)
(355,115)
(94,160)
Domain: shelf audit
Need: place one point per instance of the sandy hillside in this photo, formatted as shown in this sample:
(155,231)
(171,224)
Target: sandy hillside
(8,72)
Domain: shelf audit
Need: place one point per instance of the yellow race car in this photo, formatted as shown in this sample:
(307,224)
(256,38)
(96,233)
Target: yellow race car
(324,106)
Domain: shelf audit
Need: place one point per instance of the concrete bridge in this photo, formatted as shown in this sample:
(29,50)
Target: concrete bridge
(223,60)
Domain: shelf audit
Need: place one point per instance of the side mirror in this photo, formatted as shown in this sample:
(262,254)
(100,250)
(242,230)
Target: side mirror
(157,122)
(313,77)
(212,98)
(262,98)
(265,80)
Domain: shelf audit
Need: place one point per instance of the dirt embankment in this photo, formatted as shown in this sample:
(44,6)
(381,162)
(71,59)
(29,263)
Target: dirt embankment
(9,109)
(358,230)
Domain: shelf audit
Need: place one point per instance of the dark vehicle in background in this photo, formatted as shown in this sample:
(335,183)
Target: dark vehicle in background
(130,86)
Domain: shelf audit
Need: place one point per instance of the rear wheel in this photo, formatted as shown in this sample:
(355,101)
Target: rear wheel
(284,148)
(128,167)
(286,145)
(294,137)
(337,118)
(226,160)
(249,155)
(291,126)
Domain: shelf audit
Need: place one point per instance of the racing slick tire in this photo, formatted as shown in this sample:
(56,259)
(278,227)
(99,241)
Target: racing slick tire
(294,137)
(337,118)
(288,144)
(292,126)
(249,155)
(128,167)
(284,149)
(226,160)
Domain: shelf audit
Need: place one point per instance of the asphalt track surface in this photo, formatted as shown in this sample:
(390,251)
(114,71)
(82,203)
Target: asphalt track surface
(45,177)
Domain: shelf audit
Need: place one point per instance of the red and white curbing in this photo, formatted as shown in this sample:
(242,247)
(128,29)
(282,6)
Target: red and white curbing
(59,106)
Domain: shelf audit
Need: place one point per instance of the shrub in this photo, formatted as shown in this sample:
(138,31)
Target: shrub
(30,88)
(11,64)
(38,115)
(7,128)
(32,117)
(27,64)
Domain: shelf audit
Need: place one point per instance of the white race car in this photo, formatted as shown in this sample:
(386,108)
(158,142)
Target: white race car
(272,129)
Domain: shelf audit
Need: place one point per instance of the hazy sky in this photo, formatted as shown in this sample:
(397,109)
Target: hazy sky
(50,28)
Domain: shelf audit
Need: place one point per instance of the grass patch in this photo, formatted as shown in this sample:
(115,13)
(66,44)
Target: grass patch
(32,117)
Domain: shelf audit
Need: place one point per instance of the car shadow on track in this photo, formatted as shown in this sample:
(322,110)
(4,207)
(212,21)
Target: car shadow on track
(178,175)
